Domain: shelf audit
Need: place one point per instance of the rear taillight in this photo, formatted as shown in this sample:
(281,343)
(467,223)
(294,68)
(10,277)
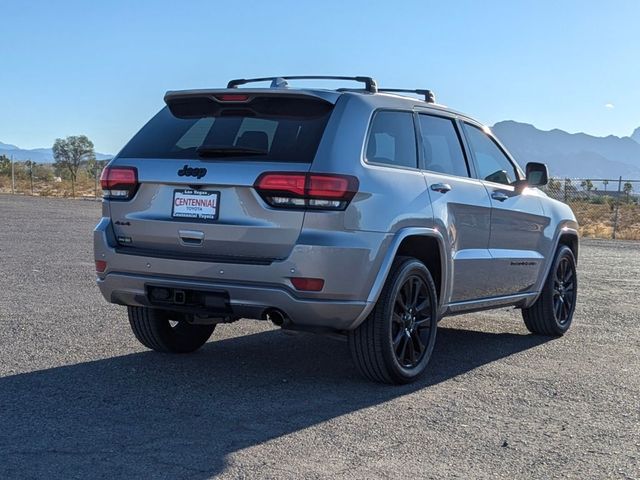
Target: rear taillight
(307,190)
(119,183)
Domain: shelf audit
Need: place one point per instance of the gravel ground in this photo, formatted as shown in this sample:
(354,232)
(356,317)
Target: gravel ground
(80,398)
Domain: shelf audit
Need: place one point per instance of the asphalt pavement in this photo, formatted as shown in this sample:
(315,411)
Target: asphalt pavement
(80,398)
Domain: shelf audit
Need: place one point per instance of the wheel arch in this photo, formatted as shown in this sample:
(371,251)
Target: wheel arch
(425,244)
(425,248)
(565,235)
(569,237)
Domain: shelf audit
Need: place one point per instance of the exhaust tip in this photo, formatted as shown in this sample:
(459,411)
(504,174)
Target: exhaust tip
(275,316)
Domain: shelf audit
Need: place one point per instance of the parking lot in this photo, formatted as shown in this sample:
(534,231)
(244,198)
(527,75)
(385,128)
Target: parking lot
(80,398)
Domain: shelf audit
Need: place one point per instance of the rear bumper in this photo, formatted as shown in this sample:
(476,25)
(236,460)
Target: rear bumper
(248,301)
(348,262)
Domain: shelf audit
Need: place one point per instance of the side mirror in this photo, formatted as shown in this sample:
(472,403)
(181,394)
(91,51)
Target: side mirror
(537,174)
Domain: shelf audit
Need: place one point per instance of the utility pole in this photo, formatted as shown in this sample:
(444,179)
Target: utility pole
(615,217)
(13,177)
(31,175)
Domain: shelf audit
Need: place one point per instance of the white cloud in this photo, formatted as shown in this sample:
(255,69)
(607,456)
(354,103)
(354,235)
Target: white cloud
(609,106)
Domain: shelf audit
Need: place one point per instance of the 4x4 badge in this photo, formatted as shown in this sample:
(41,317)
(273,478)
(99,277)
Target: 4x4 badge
(188,171)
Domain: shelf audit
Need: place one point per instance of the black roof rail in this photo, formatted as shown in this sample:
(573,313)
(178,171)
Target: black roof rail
(370,83)
(429,96)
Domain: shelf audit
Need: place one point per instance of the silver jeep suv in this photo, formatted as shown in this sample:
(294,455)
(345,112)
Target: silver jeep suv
(355,211)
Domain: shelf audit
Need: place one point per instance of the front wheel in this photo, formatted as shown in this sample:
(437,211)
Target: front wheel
(552,312)
(160,331)
(395,342)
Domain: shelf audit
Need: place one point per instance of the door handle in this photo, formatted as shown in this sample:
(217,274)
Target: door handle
(500,196)
(441,187)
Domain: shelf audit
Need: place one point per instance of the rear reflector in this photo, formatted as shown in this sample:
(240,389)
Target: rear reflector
(308,284)
(101,266)
(119,183)
(307,190)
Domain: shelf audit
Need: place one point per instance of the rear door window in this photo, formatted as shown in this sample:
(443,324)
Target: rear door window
(392,140)
(441,148)
(267,129)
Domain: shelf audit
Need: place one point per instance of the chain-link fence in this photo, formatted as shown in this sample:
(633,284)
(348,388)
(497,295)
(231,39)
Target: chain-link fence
(605,208)
(43,179)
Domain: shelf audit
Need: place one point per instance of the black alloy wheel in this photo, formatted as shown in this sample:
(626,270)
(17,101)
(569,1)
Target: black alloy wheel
(412,322)
(552,312)
(564,291)
(395,342)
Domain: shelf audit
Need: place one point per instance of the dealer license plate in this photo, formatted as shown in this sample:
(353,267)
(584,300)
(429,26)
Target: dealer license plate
(195,204)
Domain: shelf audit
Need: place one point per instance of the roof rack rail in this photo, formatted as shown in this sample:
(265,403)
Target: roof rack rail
(370,83)
(429,96)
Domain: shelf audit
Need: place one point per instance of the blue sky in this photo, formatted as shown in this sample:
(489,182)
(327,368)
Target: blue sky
(101,68)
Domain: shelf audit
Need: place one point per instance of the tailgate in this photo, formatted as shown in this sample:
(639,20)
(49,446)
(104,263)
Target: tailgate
(197,161)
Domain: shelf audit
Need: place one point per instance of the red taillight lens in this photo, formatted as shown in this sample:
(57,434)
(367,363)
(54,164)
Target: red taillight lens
(308,284)
(101,266)
(282,183)
(327,186)
(232,97)
(307,190)
(119,183)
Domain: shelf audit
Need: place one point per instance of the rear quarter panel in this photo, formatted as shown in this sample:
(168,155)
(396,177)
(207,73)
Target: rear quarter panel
(389,200)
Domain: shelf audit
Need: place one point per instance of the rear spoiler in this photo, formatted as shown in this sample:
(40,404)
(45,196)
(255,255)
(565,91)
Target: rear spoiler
(213,102)
(218,94)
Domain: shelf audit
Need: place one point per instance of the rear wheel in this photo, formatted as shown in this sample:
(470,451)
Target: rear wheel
(395,342)
(162,331)
(553,311)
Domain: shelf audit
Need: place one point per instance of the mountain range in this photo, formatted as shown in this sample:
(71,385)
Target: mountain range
(566,154)
(572,154)
(38,155)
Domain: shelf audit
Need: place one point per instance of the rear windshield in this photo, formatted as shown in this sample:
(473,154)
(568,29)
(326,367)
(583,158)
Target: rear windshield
(265,129)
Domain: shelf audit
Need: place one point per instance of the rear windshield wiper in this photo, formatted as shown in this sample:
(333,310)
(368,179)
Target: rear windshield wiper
(228,151)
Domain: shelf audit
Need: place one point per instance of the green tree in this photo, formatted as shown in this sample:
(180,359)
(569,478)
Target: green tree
(553,188)
(627,189)
(587,185)
(5,165)
(70,153)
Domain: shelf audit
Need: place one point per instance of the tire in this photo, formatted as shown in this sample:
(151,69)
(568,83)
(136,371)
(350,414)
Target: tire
(393,345)
(153,329)
(552,313)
